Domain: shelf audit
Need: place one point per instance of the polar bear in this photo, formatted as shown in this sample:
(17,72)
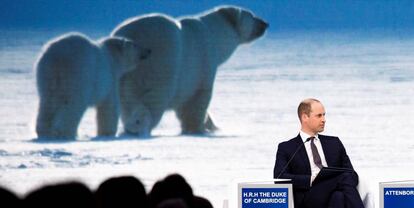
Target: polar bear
(73,73)
(180,73)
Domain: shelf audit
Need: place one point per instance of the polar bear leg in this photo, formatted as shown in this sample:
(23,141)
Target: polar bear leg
(69,126)
(107,114)
(66,120)
(135,116)
(44,120)
(128,96)
(193,114)
(156,103)
(58,120)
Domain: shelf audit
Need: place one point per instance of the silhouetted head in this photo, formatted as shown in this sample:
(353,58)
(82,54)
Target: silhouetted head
(124,191)
(172,187)
(64,195)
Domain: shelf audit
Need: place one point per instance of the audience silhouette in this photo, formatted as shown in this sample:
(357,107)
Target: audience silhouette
(172,203)
(9,198)
(116,192)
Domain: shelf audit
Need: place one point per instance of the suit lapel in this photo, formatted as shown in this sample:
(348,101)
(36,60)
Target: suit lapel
(303,155)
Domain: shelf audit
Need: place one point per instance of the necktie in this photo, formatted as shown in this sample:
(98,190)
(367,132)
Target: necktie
(316,157)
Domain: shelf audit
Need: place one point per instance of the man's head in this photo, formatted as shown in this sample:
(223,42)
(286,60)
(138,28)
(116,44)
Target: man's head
(312,116)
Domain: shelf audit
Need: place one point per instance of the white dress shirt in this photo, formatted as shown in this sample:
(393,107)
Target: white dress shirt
(314,169)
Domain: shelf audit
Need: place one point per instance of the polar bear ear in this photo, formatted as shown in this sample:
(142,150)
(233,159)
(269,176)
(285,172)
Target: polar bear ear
(144,53)
(232,15)
(115,45)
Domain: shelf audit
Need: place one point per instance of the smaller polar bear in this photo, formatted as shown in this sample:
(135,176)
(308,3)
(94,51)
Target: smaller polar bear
(180,74)
(74,73)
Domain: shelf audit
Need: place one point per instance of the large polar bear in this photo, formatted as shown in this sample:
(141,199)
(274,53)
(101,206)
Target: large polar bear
(180,73)
(73,73)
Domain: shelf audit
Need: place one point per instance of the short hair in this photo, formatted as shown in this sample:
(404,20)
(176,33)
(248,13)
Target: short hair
(305,107)
(121,191)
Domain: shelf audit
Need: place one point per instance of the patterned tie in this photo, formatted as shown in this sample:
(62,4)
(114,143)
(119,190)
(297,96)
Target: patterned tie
(316,157)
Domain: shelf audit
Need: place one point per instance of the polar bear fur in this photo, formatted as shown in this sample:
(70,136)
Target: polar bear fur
(73,73)
(180,73)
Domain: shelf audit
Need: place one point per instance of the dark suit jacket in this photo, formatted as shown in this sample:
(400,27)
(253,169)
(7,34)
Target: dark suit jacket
(299,168)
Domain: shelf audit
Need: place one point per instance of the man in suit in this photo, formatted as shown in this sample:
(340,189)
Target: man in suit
(301,159)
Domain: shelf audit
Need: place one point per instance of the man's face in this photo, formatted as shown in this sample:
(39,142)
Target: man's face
(315,122)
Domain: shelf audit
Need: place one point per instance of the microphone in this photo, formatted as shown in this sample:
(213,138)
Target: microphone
(296,151)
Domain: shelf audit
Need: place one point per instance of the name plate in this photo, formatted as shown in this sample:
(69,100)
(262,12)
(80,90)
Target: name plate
(265,195)
(397,194)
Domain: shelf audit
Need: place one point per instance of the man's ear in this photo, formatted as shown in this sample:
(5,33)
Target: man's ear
(304,117)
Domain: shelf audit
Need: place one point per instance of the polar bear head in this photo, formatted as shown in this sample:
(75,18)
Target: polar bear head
(139,121)
(247,25)
(125,54)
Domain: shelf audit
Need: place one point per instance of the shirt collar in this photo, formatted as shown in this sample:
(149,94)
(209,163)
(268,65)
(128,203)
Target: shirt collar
(305,136)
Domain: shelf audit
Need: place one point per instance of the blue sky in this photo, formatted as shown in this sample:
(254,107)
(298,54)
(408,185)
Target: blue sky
(281,14)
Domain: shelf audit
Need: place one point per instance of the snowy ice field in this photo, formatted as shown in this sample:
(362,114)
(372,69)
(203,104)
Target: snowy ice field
(365,80)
